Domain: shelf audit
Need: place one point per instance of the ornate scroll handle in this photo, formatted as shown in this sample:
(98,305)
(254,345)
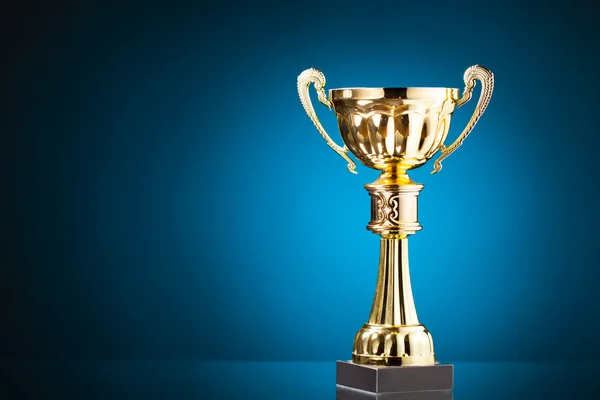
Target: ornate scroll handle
(318,79)
(485,76)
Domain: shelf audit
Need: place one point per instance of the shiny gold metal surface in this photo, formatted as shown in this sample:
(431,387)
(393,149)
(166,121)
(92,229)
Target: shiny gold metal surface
(394,209)
(393,334)
(473,74)
(317,78)
(394,130)
(405,128)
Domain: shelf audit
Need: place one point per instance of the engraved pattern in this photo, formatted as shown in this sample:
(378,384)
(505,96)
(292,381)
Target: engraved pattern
(393,214)
(394,210)
(472,74)
(316,77)
(378,207)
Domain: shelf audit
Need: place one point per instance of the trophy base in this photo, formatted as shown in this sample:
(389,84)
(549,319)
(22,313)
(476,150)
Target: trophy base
(375,379)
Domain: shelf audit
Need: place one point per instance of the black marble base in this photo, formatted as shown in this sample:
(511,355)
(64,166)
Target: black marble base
(376,379)
(346,393)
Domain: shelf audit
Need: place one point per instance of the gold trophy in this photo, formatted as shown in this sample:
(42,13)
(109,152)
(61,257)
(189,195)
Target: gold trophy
(394,130)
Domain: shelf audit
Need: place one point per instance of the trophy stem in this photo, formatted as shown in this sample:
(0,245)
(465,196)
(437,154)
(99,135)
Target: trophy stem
(393,334)
(393,303)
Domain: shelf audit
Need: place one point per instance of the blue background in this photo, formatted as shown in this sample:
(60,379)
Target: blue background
(168,198)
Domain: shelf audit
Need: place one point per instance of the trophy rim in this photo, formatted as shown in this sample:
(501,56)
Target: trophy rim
(394,93)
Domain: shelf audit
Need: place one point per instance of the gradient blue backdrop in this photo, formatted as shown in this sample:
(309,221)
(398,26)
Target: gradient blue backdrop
(169,198)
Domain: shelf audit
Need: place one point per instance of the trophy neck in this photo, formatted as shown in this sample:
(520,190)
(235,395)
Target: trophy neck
(394,174)
(393,303)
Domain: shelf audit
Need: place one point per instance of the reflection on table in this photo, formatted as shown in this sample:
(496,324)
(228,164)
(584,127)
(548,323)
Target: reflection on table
(346,393)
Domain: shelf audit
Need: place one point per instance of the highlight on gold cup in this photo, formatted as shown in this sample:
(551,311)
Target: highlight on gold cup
(394,130)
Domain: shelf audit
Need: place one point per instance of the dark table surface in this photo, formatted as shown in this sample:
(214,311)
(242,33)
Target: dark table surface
(271,380)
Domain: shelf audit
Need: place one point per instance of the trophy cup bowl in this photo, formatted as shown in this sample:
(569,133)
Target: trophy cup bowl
(387,127)
(394,130)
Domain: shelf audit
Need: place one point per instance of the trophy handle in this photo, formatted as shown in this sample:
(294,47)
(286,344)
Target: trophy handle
(318,79)
(485,76)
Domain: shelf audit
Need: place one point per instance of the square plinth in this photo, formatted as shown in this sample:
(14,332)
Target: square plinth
(379,379)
